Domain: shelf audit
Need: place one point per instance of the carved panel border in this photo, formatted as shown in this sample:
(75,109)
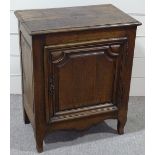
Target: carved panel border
(58,55)
(83,112)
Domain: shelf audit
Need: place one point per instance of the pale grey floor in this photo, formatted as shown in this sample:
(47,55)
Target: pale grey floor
(98,140)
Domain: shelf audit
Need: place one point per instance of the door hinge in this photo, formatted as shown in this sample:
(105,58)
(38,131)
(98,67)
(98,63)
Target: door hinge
(51,85)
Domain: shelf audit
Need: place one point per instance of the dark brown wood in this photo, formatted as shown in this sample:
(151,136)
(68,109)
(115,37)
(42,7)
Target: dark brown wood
(74,18)
(76,67)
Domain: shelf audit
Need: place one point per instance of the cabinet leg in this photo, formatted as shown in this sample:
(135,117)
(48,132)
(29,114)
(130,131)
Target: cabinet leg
(39,146)
(39,141)
(120,126)
(26,119)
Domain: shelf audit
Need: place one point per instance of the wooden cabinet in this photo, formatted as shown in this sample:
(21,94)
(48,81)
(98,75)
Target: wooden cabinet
(76,67)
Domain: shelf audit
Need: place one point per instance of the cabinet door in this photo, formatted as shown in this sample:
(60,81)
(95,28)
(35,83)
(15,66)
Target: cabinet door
(82,75)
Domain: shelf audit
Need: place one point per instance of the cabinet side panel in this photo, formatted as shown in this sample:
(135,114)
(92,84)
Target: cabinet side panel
(39,86)
(123,89)
(27,77)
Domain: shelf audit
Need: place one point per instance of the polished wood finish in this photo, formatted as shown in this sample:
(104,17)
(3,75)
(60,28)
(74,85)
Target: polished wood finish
(76,67)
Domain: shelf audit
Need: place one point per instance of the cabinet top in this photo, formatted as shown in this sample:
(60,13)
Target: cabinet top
(41,21)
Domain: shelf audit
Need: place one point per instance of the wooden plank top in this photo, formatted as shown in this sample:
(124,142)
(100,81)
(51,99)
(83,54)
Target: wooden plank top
(41,21)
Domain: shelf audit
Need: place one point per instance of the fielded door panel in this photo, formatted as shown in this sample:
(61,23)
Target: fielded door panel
(81,75)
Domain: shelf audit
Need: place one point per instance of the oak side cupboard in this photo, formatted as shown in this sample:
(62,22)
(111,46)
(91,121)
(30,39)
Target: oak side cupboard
(76,67)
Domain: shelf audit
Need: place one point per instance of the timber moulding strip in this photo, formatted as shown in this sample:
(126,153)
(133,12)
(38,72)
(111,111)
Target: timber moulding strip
(84,111)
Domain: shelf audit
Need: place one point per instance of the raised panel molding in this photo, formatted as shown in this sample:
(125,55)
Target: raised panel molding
(139,46)
(59,55)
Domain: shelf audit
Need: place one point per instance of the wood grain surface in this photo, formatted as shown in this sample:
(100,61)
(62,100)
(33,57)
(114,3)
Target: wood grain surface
(73,18)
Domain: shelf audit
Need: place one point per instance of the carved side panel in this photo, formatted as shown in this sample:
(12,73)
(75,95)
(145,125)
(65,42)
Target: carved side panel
(84,75)
(27,76)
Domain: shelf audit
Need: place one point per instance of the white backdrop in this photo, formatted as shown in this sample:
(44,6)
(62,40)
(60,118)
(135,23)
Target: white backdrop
(132,7)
